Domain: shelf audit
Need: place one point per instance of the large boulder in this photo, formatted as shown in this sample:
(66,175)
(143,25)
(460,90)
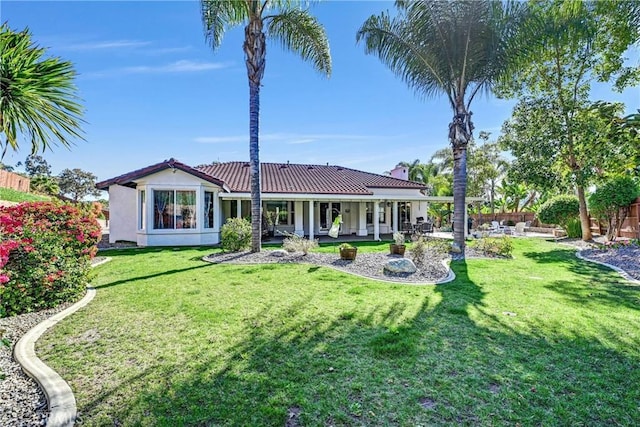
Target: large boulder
(279,253)
(400,265)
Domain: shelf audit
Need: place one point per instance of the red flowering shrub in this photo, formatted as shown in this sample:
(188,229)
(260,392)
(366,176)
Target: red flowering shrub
(45,255)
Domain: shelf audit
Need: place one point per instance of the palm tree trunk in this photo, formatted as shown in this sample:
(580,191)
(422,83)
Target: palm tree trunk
(585,223)
(255,51)
(460,133)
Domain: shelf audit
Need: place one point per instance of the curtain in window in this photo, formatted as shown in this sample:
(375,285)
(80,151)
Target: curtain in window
(163,209)
(208,209)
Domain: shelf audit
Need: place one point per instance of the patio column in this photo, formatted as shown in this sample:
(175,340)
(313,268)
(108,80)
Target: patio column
(311,220)
(239,209)
(362,219)
(298,219)
(394,216)
(376,223)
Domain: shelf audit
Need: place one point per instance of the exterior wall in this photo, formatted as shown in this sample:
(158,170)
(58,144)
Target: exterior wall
(400,172)
(122,207)
(15,181)
(147,235)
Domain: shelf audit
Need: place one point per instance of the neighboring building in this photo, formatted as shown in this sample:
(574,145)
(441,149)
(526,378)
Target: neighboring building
(170,203)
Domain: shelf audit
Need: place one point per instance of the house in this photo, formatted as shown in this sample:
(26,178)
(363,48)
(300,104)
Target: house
(171,203)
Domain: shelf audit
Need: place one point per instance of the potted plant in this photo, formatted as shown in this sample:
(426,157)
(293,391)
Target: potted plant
(397,247)
(348,251)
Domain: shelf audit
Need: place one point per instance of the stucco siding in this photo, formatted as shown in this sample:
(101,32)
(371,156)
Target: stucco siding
(122,209)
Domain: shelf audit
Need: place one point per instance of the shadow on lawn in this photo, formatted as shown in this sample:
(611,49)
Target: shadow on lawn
(150,276)
(395,363)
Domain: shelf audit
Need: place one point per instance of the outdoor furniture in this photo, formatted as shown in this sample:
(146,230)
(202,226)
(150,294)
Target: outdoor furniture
(495,227)
(426,227)
(407,228)
(519,230)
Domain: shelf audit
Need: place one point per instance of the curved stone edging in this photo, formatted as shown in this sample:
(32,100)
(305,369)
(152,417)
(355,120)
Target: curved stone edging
(623,273)
(62,403)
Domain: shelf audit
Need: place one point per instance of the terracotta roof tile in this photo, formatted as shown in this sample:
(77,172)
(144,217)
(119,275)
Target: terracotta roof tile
(300,178)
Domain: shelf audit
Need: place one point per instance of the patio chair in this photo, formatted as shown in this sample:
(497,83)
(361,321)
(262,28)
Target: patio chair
(519,231)
(495,227)
(406,228)
(426,228)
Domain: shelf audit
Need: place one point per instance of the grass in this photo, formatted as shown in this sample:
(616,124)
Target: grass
(11,195)
(543,339)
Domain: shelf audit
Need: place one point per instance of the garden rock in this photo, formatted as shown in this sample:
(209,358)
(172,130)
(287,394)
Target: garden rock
(280,253)
(455,248)
(402,265)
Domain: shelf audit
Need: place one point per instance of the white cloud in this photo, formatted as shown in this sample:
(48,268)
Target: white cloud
(106,44)
(182,66)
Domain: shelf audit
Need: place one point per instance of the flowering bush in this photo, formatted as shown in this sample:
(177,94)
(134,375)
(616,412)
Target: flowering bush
(45,255)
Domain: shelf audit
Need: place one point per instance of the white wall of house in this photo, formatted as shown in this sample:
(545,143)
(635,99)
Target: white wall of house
(137,221)
(122,210)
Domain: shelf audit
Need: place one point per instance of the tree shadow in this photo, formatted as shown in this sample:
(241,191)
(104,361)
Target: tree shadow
(442,358)
(150,276)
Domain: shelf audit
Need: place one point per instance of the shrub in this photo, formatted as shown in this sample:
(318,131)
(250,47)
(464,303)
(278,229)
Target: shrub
(559,210)
(573,227)
(295,243)
(610,202)
(345,246)
(502,246)
(45,255)
(419,251)
(236,234)
(398,238)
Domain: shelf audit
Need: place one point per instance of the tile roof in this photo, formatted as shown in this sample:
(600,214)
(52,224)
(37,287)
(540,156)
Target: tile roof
(128,179)
(300,178)
(276,178)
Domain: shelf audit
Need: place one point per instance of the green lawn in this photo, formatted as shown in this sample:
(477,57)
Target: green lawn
(543,339)
(11,195)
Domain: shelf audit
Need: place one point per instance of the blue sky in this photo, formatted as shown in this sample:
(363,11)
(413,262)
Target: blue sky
(153,89)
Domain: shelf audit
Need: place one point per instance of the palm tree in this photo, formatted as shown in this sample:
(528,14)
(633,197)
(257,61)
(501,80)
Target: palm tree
(38,99)
(455,48)
(286,22)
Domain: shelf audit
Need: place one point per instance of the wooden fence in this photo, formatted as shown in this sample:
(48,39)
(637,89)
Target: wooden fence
(15,181)
(630,227)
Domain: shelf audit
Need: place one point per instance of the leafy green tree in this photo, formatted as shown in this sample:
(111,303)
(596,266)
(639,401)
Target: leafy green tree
(77,184)
(37,96)
(573,44)
(455,48)
(611,201)
(36,165)
(287,23)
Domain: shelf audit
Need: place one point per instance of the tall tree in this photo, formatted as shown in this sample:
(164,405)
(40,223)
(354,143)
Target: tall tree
(288,23)
(35,165)
(37,96)
(77,184)
(455,48)
(576,42)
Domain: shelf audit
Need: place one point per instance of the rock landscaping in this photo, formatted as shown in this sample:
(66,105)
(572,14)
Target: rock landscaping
(371,265)
(22,401)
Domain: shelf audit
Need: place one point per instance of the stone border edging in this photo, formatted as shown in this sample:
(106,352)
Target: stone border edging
(623,273)
(62,403)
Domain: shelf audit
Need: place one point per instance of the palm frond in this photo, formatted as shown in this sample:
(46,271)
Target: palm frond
(37,96)
(300,32)
(397,44)
(218,15)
